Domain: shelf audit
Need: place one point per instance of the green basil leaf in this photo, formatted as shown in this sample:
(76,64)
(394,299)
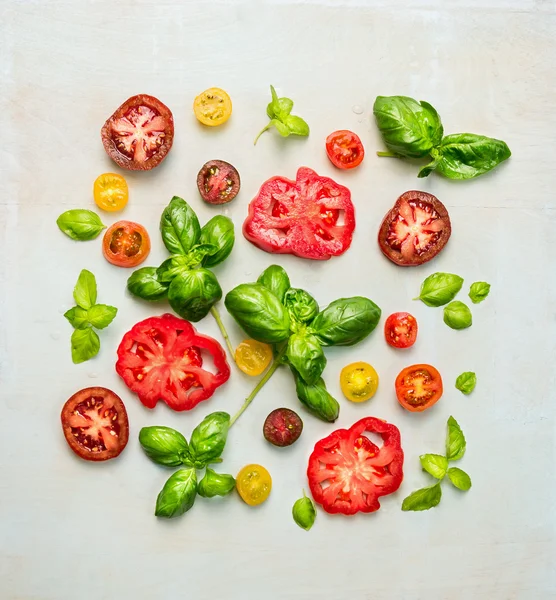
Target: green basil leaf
(466,155)
(144,283)
(165,446)
(316,398)
(179,227)
(457,315)
(466,382)
(259,312)
(459,478)
(193,293)
(306,356)
(408,128)
(209,438)
(279,107)
(346,321)
(282,128)
(219,232)
(455,442)
(423,499)
(434,464)
(80,224)
(479,291)
(301,305)
(215,484)
(296,125)
(304,512)
(85,290)
(276,280)
(440,288)
(77,316)
(101,315)
(198,253)
(171,267)
(428,169)
(178,494)
(85,344)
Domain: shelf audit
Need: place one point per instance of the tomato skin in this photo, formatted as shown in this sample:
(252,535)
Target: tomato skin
(218,182)
(400,330)
(212,107)
(126,244)
(110,192)
(253,357)
(344,149)
(282,427)
(254,484)
(418,387)
(359,381)
(103,412)
(358,471)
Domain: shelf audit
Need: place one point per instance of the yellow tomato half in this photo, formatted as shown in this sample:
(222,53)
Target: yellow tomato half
(213,107)
(358,381)
(253,357)
(110,192)
(253,484)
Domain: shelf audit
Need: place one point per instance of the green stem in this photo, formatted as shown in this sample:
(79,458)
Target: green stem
(262,131)
(388,154)
(260,385)
(214,312)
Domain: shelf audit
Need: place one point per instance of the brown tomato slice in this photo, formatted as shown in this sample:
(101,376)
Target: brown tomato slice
(218,182)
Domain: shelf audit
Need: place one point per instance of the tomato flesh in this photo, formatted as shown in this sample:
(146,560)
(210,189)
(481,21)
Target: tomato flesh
(254,484)
(213,107)
(359,381)
(218,182)
(418,387)
(282,427)
(344,149)
(110,192)
(126,244)
(253,357)
(400,330)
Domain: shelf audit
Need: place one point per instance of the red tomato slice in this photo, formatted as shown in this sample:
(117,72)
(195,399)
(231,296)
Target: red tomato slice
(126,244)
(312,217)
(161,358)
(95,424)
(419,387)
(415,230)
(139,135)
(344,149)
(400,330)
(348,473)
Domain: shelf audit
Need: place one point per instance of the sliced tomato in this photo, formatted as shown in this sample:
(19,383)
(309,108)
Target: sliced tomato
(415,230)
(94,421)
(418,387)
(400,330)
(213,107)
(218,182)
(348,472)
(312,217)
(126,244)
(139,135)
(344,149)
(162,358)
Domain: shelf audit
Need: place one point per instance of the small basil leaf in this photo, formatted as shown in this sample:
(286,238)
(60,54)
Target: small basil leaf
(209,438)
(459,478)
(279,107)
(178,494)
(440,288)
(466,382)
(85,344)
(282,128)
(301,305)
(197,254)
(457,315)
(455,442)
(479,291)
(434,464)
(80,224)
(423,499)
(171,267)
(276,280)
(179,227)
(165,446)
(304,512)
(101,315)
(316,398)
(144,283)
(306,356)
(77,316)
(219,232)
(296,125)
(85,290)
(215,484)
(193,293)
(428,169)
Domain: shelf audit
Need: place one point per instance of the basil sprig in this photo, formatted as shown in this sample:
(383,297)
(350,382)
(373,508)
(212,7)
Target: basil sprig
(80,224)
(278,111)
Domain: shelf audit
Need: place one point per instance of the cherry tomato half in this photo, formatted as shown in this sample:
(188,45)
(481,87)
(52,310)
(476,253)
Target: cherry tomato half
(282,427)
(344,149)
(253,484)
(418,387)
(110,192)
(359,381)
(126,244)
(213,107)
(218,182)
(400,330)
(253,357)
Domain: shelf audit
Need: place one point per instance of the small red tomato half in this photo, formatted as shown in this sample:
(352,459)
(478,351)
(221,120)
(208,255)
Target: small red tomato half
(400,330)
(126,244)
(94,421)
(344,149)
(139,135)
(282,427)
(218,182)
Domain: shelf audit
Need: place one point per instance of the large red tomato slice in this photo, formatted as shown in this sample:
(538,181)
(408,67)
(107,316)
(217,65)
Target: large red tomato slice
(312,217)
(348,473)
(415,230)
(162,358)
(139,135)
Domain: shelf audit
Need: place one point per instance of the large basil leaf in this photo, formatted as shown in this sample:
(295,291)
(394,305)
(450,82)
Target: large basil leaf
(165,446)
(209,438)
(178,494)
(193,293)
(179,227)
(219,232)
(144,283)
(259,312)
(301,305)
(346,321)
(409,128)
(316,398)
(306,356)
(276,280)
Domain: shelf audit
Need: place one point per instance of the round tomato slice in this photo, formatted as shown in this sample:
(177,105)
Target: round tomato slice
(400,330)
(213,107)
(344,149)
(253,357)
(348,472)
(139,135)
(218,182)
(162,358)
(110,192)
(415,230)
(418,387)
(94,421)
(253,484)
(359,381)
(126,244)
